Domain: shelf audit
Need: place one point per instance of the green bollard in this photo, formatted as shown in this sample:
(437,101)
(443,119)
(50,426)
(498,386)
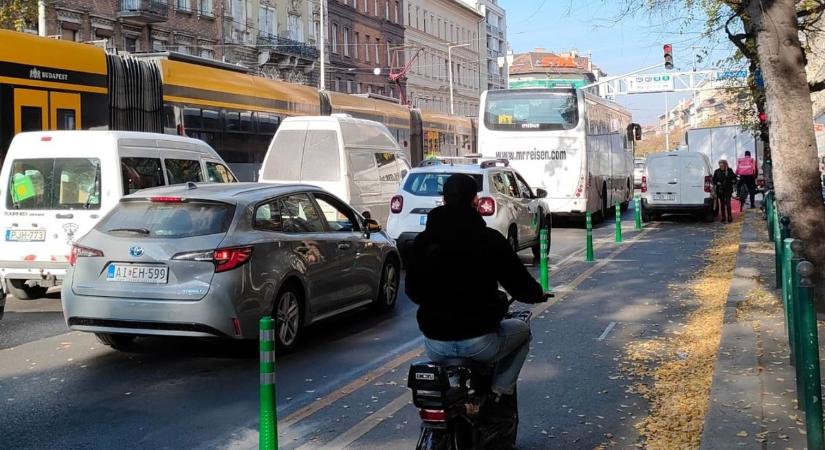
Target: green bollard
(809,354)
(637,208)
(543,263)
(788,294)
(589,255)
(769,214)
(783,232)
(618,209)
(268,434)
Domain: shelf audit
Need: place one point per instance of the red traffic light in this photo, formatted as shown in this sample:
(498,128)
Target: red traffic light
(763,117)
(667,48)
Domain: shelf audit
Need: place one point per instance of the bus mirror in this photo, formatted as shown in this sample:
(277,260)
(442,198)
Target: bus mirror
(541,193)
(634,132)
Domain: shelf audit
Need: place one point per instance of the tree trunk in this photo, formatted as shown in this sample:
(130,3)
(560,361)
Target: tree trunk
(788,104)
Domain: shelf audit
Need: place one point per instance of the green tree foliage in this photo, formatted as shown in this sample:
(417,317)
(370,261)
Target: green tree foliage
(18,14)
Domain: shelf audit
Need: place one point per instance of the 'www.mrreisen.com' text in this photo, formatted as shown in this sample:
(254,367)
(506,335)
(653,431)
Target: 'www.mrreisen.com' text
(533,155)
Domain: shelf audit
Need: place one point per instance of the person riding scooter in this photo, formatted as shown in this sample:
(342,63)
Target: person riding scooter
(453,274)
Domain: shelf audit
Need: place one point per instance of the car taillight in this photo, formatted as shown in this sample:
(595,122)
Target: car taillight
(79,251)
(223,258)
(397,204)
(644,184)
(486,206)
(433,415)
(708,184)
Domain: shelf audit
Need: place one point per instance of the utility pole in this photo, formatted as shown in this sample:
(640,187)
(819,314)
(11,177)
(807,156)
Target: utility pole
(41,17)
(323,52)
(667,124)
(450,64)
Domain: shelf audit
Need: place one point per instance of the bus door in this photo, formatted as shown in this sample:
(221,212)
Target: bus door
(37,110)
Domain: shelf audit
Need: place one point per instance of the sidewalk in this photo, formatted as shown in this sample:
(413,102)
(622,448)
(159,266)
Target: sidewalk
(753,395)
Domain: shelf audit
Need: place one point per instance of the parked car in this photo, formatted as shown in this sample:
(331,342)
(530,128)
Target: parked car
(206,260)
(677,183)
(506,202)
(638,171)
(58,184)
(357,160)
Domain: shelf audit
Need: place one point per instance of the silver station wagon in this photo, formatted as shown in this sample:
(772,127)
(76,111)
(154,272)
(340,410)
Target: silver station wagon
(206,260)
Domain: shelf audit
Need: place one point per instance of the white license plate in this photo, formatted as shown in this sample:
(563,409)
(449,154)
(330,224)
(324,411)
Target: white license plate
(137,273)
(665,197)
(422,220)
(26,235)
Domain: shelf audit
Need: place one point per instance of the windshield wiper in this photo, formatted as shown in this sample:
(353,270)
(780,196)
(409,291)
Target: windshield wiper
(95,187)
(130,230)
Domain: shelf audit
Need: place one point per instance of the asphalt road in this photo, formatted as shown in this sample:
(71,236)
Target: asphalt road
(345,384)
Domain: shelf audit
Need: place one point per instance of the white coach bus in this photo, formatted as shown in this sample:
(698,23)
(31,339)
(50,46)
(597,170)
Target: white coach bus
(575,145)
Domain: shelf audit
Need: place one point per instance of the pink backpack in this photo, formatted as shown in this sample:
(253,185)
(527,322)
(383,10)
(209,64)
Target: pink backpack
(745,166)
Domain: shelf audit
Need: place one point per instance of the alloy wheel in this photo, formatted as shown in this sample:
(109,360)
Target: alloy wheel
(288,318)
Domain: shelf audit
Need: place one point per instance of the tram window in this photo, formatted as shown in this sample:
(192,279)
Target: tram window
(211,119)
(192,118)
(183,170)
(140,173)
(31,118)
(247,122)
(232,120)
(267,123)
(169,121)
(65,119)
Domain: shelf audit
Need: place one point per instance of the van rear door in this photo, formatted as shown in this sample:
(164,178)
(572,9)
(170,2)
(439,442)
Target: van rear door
(692,177)
(663,179)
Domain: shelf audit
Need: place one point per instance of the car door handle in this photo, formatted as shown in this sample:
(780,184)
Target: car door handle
(344,246)
(64,216)
(672,182)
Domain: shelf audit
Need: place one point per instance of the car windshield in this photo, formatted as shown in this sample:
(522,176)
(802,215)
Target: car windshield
(168,220)
(431,184)
(54,183)
(531,110)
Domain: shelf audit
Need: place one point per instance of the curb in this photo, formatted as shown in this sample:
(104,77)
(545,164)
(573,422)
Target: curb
(736,381)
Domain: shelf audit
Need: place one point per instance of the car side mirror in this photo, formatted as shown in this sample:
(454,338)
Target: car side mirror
(367,215)
(371,226)
(541,193)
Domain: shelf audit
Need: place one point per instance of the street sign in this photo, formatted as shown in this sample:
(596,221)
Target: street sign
(639,84)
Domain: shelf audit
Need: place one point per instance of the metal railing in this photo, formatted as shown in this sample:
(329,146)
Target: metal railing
(155,7)
(287,46)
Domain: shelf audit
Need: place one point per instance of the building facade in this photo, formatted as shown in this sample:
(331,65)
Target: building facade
(279,38)
(433,28)
(495,58)
(365,42)
(543,69)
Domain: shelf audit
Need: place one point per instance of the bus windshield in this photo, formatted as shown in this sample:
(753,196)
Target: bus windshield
(531,110)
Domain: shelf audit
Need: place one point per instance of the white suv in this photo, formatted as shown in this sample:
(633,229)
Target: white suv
(506,202)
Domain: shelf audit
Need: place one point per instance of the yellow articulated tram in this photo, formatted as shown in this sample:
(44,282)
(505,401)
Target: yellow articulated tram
(48,84)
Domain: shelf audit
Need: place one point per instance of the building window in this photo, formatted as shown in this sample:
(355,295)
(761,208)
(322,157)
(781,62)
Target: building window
(349,86)
(131,44)
(68,34)
(334,37)
(267,24)
(158,45)
(206,8)
(295,28)
(377,52)
(182,5)
(387,10)
(375,8)
(346,41)
(397,12)
(355,42)
(417,16)
(207,53)
(409,15)
(367,48)
(366,6)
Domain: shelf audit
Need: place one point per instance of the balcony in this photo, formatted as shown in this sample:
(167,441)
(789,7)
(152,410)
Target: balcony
(287,46)
(144,11)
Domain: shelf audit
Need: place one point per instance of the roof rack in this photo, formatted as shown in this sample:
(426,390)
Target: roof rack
(493,162)
(437,161)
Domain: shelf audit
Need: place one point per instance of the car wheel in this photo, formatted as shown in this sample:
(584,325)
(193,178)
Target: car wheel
(115,340)
(23,291)
(646,216)
(388,289)
(512,239)
(287,317)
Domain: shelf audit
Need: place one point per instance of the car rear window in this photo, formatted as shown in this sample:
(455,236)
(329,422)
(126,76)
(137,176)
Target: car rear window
(168,220)
(431,184)
(54,183)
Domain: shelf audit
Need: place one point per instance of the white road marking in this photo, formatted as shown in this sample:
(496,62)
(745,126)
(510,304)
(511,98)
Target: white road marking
(607,331)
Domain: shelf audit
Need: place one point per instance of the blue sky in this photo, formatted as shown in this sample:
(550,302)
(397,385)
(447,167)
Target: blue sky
(616,46)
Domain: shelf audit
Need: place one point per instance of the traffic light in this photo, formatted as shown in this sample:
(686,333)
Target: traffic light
(668,49)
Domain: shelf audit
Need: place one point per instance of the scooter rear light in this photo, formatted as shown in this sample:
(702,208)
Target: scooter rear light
(486,206)
(644,184)
(433,415)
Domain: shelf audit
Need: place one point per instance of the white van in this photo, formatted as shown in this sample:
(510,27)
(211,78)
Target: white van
(357,160)
(677,183)
(56,185)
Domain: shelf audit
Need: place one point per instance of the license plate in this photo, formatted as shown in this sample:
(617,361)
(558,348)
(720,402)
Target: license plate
(25,235)
(137,273)
(422,220)
(665,197)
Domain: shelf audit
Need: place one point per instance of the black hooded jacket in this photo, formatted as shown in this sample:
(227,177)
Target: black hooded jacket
(453,274)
